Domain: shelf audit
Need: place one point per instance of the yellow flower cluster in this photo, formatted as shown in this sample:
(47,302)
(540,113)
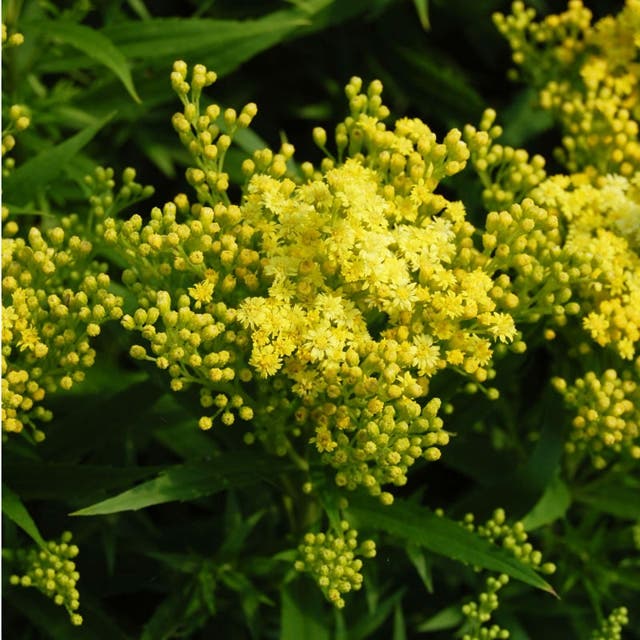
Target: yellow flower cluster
(478,614)
(510,536)
(331,559)
(52,571)
(345,291)
(608,414)
(602,238)
(587,74)
(54,299)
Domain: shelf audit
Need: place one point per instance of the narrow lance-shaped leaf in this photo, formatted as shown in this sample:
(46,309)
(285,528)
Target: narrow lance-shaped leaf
(368,625)
(620,501)
(169,37)
(166,619)
(37,480)
(36,173)
(552,505)
(96,46)
(222,45)
(301,612)
(189,482)
(422,7)
(13,508)
(447,618)
(399,625)
(422,527)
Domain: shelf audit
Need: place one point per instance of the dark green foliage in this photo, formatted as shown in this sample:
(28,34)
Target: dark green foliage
(187,534)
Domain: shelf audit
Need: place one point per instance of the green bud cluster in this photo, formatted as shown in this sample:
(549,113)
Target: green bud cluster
(15,117)
(51,571)
(511,537)
(13,40)
(208,134)
(55,298)
(15,120)
(607,420)
(331,559)
(174,269)
(106,201)
(478,614)
(524,247)
(507,174)
(536,274)
(544,46)
(612,626)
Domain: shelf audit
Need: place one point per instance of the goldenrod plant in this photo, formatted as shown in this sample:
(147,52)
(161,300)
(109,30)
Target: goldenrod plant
(349,385)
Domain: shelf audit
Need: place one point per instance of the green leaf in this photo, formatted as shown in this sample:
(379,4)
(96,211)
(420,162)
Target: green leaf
(422,7)
(96,46)
(367,625)
(438,74)
(36,480)
(140,9)
(13,508)
(440,535)
(192,481)
(523,119)
(48,619)
(177,430)
(301,612)
(113,417)
(552,505)
(617,500)
(517,489)
(418,559)
(167,619)
(37,173)
(220,44)
(399,625)
(238,534)
(445,619)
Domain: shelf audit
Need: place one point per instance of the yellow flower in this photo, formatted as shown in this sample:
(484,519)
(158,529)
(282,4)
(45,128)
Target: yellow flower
(9,316)
(29,339)
(502,327)
(266,360)
(598,326)
(323,440)
(427,358)
(455,357)
(202,292)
